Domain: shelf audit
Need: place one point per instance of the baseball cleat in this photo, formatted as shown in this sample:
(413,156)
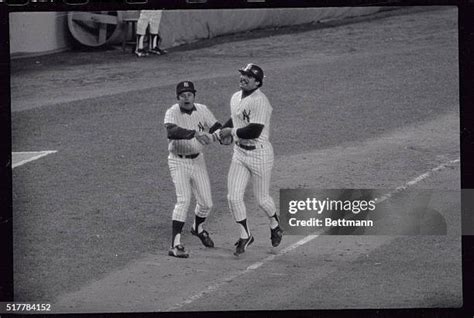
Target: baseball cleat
(204,237)
(276,235)
(178,251)
(157,51)
(242,245)
(141,53)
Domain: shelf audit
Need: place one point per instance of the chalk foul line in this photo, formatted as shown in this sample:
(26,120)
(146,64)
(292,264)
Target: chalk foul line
(416,180)
(301,242)
(20,158)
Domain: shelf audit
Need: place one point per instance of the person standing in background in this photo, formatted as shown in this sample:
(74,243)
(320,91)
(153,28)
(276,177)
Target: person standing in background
(149,19)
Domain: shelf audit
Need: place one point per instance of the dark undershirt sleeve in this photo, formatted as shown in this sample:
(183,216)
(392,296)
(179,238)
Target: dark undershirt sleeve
(251,131)
(228,124)
(214,127)
(175,132)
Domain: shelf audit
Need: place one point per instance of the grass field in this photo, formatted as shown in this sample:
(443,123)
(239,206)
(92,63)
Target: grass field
(372,103)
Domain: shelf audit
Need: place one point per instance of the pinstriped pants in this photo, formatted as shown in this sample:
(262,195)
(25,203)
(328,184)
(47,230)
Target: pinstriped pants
(255,164)
(149,17)
(190,177)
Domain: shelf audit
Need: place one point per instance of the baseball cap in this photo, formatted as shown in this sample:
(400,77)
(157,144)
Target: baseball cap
(185,86)
(254,71)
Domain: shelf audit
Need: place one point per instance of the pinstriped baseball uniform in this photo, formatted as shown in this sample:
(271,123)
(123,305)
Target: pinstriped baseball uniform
(151,18)
(189,175)
(255,164)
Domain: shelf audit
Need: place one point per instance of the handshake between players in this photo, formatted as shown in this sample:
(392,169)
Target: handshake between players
(249,127)
(206,138)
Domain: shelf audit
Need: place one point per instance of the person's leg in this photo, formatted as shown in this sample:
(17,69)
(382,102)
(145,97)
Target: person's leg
(201,186)
(237,180)
(142,25)
(182,181)
(261,171)
(154,33)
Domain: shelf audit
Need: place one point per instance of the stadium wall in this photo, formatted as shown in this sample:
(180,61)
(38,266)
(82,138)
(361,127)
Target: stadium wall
(33,33)
(182,27)
(38,33)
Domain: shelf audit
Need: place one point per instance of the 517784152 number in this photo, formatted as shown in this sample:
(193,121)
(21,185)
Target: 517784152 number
(27,307)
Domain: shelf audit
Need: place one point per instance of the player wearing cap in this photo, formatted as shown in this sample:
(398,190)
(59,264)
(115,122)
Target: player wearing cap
(249,127)
(189,127)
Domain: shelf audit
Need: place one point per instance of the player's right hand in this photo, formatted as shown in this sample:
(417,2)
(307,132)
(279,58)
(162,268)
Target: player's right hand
(224,132)
(203,137)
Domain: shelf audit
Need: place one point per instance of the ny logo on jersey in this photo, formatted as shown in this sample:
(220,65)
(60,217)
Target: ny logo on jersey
(246,115)
(201,127)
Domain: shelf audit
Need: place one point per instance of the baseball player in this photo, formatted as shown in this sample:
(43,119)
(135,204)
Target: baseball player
(189,127)
(150,18)
(249,127)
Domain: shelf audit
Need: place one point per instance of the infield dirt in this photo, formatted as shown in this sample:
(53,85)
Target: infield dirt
(368,104)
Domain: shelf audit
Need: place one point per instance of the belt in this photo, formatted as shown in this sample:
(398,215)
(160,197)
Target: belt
(193,156)
(246,147)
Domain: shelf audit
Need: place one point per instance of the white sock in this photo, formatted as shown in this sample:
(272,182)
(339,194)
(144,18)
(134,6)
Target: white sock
(243,231)
(274,221)
(199,229)
(140,42)
(177,240)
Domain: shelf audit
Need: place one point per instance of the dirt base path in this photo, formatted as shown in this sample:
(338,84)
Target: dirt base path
(372,104)
(326,273)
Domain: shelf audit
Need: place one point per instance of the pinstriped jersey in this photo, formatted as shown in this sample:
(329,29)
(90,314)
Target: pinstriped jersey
(254,108)
(200,119)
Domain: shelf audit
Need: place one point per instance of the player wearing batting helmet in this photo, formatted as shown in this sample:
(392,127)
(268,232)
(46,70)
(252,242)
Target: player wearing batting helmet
(249,127)
(189,127)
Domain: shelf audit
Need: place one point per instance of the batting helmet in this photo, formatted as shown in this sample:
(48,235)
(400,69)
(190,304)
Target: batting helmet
(185,86)
(254,71)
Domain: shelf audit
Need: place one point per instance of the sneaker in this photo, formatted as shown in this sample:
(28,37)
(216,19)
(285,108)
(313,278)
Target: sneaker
(204,237)
(276,235)
(157,51)
(141,53)
(178,251)
(242,245)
